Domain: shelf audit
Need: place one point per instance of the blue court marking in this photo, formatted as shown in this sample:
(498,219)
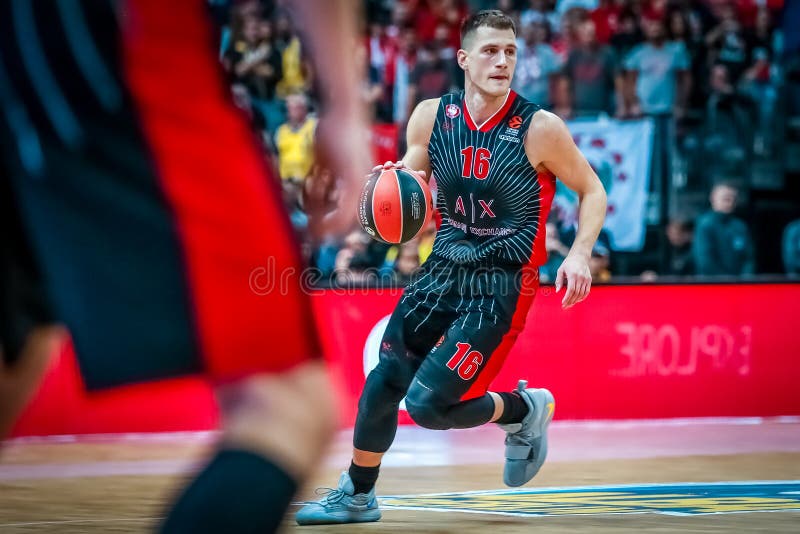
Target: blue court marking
(679,499)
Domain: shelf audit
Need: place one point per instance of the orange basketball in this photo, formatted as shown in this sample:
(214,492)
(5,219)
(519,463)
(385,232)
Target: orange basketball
(395,206)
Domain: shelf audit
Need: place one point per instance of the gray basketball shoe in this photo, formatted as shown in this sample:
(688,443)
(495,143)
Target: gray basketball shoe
(341,505)
(526,442)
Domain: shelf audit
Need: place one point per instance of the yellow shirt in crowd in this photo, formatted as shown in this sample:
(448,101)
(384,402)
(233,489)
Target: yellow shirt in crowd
(293,80)
(296,149)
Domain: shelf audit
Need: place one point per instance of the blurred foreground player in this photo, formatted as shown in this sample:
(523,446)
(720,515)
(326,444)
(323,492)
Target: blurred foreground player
(136,207)
(494,156)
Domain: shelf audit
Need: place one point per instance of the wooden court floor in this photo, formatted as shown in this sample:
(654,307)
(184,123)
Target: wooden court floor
(600,477)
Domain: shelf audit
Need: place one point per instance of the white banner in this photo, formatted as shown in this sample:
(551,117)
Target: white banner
(620,152)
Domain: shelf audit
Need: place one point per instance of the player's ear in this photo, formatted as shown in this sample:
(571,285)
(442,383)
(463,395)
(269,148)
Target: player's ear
(461,56)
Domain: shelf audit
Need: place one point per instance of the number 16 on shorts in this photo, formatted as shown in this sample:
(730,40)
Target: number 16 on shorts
(466,361)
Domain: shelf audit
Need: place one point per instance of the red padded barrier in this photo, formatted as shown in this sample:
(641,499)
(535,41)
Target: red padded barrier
(627,352)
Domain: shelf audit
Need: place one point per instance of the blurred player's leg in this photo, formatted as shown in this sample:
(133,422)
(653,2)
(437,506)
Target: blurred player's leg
(148,208)
(18,380)
(275,428)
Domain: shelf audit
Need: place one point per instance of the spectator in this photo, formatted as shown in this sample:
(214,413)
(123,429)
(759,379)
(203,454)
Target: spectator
(405,61)
(243,101)
(655,68)
(296,76)
(348,267)
(606,20)
(727,44)
(255,62)
(432,76)
(728,121)
(589,75)
(722,244)
(628,35)
(536,64)
(758,81)
(295,143)
(371,87)
(600,260)
(540,12)
(556,252)
(680,234)
(791,248)
(406,263)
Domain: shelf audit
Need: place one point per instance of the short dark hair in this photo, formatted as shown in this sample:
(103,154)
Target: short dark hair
(494,18)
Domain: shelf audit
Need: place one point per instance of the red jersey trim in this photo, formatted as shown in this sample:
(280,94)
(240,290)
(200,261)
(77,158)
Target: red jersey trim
(496,117)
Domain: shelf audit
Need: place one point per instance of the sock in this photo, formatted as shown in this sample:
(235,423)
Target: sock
(514,408)
(238,491)
(363,478)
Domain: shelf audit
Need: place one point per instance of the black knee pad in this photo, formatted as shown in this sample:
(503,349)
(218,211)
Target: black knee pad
(376,423)
(379,394)
(426,408)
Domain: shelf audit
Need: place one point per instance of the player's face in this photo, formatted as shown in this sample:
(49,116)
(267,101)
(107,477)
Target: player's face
(490,60)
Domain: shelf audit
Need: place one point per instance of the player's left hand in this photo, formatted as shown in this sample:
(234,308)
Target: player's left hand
(575,272)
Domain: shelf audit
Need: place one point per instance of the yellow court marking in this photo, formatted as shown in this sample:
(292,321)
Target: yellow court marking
(671,499)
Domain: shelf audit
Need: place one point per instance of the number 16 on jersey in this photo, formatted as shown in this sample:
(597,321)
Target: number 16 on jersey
(475,162)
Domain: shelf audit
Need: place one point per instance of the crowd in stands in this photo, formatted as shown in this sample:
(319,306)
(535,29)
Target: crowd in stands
(715,65)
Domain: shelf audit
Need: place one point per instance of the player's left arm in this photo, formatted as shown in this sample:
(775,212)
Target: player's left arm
(549,145)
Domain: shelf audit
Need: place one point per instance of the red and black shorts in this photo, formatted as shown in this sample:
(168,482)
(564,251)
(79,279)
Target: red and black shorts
(455,325)
(139,208)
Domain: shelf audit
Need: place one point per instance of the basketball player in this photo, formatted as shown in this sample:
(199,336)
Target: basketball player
(495,157)
(136,205)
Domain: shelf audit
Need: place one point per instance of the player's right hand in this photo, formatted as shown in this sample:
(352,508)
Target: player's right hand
(397,165)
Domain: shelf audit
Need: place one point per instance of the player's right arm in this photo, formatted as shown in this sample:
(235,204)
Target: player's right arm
(418,135)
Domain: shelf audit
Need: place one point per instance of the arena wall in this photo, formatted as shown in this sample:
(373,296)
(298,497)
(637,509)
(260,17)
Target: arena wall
(629,352)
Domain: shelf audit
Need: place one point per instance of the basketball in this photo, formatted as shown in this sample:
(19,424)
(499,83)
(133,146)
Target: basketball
(395,206)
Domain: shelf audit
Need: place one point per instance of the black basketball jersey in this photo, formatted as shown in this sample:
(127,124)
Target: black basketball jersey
(493,203)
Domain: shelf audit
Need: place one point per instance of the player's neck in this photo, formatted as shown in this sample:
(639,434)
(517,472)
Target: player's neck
(482,106)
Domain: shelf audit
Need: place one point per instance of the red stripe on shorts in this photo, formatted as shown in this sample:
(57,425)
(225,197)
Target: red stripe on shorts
(529,286)
(242,263)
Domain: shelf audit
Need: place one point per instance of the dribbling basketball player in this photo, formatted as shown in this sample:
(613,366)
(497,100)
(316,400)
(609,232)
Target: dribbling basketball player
(495,157)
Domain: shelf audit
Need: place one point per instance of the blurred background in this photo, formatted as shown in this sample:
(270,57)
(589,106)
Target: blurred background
(689,111)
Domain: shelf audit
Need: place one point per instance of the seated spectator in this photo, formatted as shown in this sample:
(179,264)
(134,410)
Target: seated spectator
(536,64)
(556,252)
(680,232)
(407,262)
(294,141)
(348,267)
(722,243)
(242,100)
(589,75)
(600,260)
(791,248)
(728,120)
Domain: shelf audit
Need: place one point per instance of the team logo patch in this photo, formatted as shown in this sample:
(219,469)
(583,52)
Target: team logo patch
(452,111)
(669,499)
(515,122)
